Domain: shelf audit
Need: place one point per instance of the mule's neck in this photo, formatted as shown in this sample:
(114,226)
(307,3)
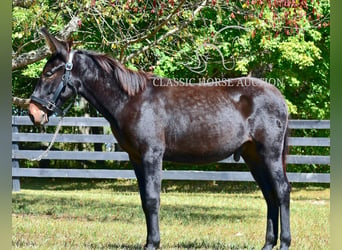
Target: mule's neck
(100,89)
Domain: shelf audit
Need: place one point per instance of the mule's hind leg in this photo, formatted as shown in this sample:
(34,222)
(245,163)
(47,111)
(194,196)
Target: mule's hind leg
(267,168)
(282,190)
(259,171)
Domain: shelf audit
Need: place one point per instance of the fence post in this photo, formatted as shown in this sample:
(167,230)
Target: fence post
(15,162)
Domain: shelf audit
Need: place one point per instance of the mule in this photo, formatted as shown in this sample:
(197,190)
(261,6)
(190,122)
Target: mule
(156,119)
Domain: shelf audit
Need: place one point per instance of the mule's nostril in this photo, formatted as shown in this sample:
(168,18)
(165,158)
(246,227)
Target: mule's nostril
(45,117)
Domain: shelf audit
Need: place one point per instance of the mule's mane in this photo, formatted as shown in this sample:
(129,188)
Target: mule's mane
(132,82)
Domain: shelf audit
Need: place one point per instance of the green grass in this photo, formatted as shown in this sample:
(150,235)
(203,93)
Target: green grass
(82,214)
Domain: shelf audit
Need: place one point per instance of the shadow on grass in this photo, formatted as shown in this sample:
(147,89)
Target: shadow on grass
(195,244)
(113,246)
(203,244)
(182,245)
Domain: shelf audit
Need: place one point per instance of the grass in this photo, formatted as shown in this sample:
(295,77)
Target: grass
(65,214)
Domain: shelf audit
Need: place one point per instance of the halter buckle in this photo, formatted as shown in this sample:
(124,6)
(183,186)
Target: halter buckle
(68,66)
(50,106)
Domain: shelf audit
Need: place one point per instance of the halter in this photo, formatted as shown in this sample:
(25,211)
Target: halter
(66,81)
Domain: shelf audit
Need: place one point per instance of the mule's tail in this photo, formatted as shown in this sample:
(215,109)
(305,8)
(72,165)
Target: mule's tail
(285,149)
(285,146)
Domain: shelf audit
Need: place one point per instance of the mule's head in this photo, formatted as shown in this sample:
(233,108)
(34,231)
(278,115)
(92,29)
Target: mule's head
(56,84)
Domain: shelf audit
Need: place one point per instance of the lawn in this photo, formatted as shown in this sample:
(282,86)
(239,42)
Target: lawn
(79,214)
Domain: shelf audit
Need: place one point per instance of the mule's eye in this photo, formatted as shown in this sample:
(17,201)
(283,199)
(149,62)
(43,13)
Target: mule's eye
(49,73)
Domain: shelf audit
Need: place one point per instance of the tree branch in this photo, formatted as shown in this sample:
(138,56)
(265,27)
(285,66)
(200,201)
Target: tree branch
(153,32)
(147,35)
(33,56)
(23,3)
(30,57)
(167,34)
(23,103)
(71,27)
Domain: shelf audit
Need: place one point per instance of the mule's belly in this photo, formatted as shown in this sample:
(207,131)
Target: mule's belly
(196,148)
(204,142)
(181,157)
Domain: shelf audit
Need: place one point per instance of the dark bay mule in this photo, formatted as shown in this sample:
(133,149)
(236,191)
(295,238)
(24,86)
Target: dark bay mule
(156,119)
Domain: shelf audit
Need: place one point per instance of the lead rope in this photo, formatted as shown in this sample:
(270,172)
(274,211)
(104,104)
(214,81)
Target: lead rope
(46,152)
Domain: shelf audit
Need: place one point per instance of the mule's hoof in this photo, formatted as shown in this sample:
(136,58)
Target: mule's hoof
(284,246)
(267,247)
(151,247)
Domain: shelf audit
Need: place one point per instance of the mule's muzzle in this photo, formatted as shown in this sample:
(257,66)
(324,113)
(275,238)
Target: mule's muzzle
(38,114)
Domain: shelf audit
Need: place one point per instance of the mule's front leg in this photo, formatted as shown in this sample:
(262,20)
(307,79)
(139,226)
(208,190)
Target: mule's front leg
(149,178)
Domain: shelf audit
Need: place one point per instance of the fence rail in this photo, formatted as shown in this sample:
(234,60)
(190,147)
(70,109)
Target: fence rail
(19,137)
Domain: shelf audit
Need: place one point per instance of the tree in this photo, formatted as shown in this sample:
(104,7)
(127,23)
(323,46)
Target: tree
(285,42)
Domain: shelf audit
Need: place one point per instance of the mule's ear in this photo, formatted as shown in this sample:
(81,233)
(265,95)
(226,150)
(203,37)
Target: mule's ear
(54,44)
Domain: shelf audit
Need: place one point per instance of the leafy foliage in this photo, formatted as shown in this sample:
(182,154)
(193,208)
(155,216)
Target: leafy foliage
(284,42)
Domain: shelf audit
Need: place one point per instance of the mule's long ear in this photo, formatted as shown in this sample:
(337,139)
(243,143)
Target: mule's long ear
(54,44)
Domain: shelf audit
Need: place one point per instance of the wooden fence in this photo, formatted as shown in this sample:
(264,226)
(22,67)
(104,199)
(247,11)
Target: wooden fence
(19,137)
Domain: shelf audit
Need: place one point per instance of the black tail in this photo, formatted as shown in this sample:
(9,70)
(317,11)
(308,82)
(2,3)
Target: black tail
(285,146)
(285,150)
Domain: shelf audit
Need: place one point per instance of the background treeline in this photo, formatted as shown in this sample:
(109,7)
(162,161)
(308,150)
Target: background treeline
(284,42)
